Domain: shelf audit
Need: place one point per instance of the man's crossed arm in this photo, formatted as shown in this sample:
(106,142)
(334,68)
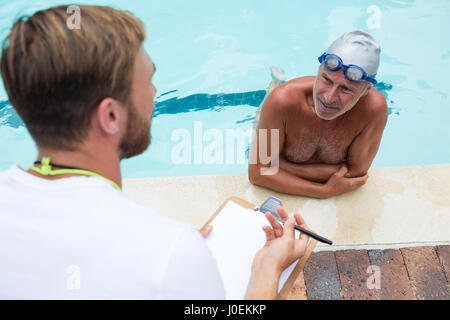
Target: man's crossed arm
(318,180)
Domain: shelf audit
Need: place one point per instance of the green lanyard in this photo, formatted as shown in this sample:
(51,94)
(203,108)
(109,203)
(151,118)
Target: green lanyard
(46,170)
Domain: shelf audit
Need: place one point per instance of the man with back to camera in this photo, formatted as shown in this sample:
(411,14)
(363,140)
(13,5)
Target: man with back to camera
(66,231)
(330,126)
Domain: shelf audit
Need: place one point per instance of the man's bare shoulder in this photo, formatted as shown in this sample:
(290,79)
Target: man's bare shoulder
(291,93)
(373,106)
(376,103)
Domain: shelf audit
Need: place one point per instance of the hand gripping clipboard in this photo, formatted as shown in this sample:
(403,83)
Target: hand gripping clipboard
(283,293)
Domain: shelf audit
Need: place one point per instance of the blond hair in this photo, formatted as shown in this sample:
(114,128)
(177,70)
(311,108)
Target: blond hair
(55,77)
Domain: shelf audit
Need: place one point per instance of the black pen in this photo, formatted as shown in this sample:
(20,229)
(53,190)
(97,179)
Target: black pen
(309,233)
(296,227)
(271,205)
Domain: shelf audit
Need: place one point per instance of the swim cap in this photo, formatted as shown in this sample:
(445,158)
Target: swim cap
(358,48)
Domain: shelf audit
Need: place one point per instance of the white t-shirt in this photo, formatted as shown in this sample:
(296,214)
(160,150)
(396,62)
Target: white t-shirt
(79,238)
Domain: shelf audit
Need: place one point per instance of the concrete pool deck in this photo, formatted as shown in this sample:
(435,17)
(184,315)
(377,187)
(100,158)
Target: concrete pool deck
(397,207)
(399,222)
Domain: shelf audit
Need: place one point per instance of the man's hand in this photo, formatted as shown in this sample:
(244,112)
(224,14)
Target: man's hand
(281,248)
(338,183)
(280,251)
(205,231)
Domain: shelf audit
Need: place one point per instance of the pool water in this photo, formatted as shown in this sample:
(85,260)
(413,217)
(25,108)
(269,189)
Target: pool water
(213,64)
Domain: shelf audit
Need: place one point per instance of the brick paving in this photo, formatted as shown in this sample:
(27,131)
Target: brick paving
(414,273)
(425,273)
(352,266)
(321,277)
(395,283)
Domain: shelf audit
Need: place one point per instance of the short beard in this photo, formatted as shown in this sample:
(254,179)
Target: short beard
(137,135)
(337,114)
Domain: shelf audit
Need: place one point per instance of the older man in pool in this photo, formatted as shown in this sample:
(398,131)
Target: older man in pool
(329,126)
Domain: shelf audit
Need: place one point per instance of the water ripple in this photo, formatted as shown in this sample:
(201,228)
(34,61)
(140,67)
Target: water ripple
(195,102)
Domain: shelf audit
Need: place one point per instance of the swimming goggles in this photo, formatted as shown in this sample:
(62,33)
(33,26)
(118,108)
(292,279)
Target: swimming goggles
(351,72)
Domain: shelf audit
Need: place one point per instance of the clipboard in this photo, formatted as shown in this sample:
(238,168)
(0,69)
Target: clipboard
(283,293)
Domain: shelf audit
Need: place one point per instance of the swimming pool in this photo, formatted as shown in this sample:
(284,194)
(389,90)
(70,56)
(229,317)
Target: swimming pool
(213,64)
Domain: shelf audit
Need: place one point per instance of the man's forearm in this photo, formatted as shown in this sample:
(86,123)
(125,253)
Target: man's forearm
(286,182)
(312,172)
(354,172)
(263,284)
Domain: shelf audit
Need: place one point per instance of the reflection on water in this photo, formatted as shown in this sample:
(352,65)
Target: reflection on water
(195,102)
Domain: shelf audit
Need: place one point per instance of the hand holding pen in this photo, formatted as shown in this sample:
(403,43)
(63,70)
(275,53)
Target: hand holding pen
(273,205)
(283,216)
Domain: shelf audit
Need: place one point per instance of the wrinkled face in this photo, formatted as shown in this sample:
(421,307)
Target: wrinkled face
(334,94)
(140,109)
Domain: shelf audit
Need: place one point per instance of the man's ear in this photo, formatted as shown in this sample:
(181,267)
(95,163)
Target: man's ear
(366,90)
(109,116)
